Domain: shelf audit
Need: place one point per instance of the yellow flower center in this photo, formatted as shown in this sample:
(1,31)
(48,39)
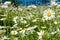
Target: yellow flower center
(30,30)
(14,32)
(24,29)
(49,14)
(41,34)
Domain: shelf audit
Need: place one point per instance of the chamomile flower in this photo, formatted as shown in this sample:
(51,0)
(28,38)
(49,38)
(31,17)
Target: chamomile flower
(2,27)
(27,31)
(43,19)
(5,38)
(32,6)
(15,26)
(3,19)
(58,30)
(40,34)
(24,21)
(32,28)
(58,16)
(7,3)
(14,32)
(49,14)
(15,19)
(2,31)
(15,38)
(4,6)
(3,15)
(35,20)
(55,22)
(43,27)
(23,32)
(53,3)
(20,9)
(53,32)
(58,6)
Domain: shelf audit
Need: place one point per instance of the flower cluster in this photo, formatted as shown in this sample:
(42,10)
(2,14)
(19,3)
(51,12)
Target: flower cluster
(29,23)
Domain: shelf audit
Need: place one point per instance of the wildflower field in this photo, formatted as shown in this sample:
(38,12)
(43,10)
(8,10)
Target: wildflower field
(29,23)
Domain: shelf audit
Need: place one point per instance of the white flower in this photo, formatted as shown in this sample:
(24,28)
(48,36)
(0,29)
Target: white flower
(21,18)
(43,19)
(27,31)
(14,32)
(3,15)
(3,19)
(2,27)
(15,25)
(43,27)
(31,31)
(24,21)
(49,14)
(5,38)
(2,31)
(53,32)
(7,3)
(29,16)
(53,3)
(14,8)
(35,20)
(20,9)
(15,19)
(41,33)
(19,29)
(32,6)
(58,6)
(58,30)
(23,31)
(4,6)
(58,16)
(55,22)
(32,28)
(27,25)
(15,38)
